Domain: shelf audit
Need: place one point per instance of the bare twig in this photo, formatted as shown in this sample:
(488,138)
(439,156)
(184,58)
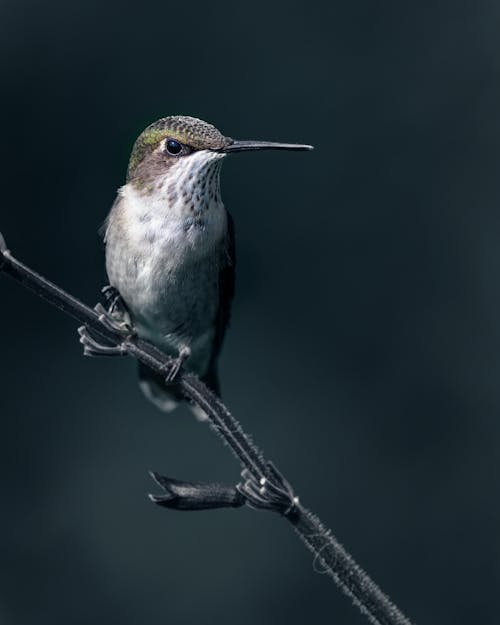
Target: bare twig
(262,487)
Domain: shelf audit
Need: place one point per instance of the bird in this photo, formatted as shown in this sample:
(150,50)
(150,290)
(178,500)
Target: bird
(169,245)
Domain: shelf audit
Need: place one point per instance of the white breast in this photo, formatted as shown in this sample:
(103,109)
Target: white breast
(164,249)
(182,216)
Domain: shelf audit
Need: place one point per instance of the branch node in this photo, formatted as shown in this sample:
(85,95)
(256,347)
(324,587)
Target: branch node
(271,492)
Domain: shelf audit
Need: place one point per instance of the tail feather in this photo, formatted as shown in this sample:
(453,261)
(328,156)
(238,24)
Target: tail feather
(154,388)
(167,397)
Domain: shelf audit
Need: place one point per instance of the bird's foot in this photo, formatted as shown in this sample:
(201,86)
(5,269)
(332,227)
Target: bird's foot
(271,492)
(95,345)
(175,366)
(113,300)
(114,307)
(116,320)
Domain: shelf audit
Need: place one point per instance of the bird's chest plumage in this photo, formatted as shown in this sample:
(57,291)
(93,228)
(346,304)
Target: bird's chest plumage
(164,252)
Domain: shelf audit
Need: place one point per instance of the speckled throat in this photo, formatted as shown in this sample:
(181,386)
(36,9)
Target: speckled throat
(177,218)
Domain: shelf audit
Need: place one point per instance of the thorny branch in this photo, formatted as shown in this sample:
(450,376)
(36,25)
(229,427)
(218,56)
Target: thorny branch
(262,487)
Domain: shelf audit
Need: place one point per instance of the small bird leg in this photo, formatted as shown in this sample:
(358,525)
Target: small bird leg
(116,319)
(175,367)
(114,301)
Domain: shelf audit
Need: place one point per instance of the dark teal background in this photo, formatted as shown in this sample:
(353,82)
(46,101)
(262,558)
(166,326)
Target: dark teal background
(364,352)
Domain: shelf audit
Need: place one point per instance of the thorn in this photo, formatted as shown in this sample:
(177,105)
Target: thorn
(156,477)
(4,252)
(162,500)
(3,245)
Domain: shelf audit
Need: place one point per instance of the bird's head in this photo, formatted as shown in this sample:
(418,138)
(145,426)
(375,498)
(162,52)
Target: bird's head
(180,146)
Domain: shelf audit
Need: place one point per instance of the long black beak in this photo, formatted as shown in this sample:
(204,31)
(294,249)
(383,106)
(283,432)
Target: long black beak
(245,146)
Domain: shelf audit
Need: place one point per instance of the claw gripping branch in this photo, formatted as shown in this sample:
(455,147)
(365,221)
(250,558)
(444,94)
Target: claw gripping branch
(262,487)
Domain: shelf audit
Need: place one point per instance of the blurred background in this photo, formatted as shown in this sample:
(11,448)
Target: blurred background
(364,351)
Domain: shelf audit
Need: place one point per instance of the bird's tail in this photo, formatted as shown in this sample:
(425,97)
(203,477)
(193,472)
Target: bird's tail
(167,397)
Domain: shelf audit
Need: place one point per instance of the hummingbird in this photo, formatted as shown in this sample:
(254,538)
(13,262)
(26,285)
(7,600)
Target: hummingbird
(170,247)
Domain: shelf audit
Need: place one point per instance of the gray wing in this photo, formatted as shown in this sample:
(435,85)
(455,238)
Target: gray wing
(226,294)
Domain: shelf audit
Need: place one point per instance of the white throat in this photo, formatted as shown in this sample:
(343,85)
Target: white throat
(180,212)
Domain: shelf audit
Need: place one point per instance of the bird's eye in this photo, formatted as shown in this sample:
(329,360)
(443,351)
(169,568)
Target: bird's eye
(173,147)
